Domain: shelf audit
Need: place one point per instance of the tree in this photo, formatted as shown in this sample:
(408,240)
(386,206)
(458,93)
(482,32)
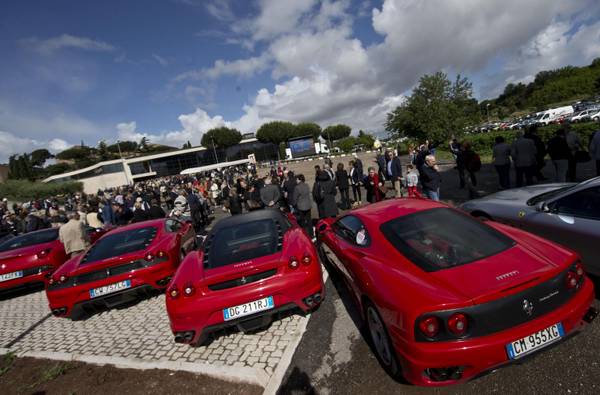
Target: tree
(123,146)
(222,138)
(347,143)
(365,139)
(307,129)
(103,152)
(40,156)
(275,132)
(336,132)
(436,110)
(75,153)
(187,145)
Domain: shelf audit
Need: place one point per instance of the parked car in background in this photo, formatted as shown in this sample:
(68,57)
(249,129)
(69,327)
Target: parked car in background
(555,114)
(441,308)
(580,116)
(250,269)
(567,213)
(595,115)
(30,258)
(129,262)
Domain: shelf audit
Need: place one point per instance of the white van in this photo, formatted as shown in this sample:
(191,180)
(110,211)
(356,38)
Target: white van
(555,114)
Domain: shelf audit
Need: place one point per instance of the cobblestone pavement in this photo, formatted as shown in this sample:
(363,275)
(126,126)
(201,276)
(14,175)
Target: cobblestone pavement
(141,333)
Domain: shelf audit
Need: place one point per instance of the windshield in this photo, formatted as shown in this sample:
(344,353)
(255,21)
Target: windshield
(442,238)
(547,195)
(242,242)
(121,243)
(29,239)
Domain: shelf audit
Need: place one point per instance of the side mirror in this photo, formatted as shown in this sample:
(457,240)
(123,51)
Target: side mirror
(542,207)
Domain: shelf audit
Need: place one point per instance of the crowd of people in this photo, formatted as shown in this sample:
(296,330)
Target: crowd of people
(241,189)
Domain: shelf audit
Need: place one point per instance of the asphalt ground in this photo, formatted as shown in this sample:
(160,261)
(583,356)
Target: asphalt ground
(334,356)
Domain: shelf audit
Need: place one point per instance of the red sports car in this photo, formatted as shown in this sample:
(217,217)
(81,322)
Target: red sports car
(31,258)
(126,263)
(251,267)
(446,297)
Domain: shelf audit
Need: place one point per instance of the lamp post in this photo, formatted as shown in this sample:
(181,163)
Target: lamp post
(119,147)
(487,107)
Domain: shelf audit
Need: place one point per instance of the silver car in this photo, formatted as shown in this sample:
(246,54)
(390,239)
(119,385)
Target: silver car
(568,214)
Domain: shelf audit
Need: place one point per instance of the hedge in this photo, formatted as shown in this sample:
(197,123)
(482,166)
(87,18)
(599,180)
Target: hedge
(24,190)
(483,143)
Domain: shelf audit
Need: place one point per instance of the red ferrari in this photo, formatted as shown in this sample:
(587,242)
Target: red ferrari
(31,258)
(446,297)
(251,268)
(123,265)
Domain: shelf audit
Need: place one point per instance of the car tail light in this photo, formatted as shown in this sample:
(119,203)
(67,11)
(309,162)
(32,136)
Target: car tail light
(458,324)
(293,264)
(149,257)
(572,280)
(575,275)
(62,278)
(579,269)
(161,254)
(173,292)
(430,326)
(189,289)
(306,259)
(43,254)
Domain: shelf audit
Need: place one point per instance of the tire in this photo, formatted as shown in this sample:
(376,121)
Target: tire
(380,341)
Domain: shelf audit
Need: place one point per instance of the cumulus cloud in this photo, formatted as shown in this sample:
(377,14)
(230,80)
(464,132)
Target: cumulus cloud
(220,10)
(11,144)
(65,41)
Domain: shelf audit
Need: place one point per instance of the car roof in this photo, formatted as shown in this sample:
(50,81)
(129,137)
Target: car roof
(257,215)
(387,210)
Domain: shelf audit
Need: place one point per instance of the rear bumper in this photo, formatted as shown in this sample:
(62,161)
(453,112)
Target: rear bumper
(26,280)
(70,301)
(194,319)
(482,354)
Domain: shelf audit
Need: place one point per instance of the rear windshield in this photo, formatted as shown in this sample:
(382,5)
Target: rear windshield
(121,243)
(29,239)
(242,242)
(442,238)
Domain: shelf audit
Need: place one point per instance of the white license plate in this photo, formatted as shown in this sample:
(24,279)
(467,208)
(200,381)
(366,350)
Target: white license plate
(533,342)
(11,276)
(242,310)
(108,289)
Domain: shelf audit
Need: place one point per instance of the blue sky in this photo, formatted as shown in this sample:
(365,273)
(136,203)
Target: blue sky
(172,69)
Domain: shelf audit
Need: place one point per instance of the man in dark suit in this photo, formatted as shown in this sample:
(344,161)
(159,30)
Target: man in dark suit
(396,173)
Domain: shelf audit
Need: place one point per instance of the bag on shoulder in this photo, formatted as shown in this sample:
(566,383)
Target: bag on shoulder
(475,163)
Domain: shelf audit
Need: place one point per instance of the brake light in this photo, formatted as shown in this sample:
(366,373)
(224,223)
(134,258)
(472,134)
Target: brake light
(161,254)
(579,269)
(149,257)
(458,324)
(293,264)
(575,275)
(173,292)
(306,259)
(430,326)
(62,278)
(189,289)
(43,254)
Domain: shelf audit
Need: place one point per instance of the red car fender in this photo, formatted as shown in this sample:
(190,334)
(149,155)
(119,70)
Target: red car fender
(190,270)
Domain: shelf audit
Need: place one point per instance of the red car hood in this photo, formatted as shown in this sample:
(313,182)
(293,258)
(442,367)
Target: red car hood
(498,275)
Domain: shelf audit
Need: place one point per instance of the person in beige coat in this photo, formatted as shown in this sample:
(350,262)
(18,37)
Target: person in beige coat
(73,235)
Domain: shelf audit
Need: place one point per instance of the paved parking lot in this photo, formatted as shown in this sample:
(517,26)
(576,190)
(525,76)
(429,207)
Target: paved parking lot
(139,336)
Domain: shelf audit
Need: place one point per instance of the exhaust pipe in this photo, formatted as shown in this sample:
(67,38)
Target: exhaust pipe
(590,315)
(179,338)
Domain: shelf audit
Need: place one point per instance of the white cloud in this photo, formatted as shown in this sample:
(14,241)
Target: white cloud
(65,41)
(11,144)
(277,17)
(221,10)
(240,67)
(162,61)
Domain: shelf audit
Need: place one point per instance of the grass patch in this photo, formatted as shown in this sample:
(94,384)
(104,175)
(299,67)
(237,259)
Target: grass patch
(7,362)
(52,373)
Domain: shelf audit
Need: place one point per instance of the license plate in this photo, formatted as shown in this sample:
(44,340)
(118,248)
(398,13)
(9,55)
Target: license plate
(533,342)
(108,289)
(242,310)
(11,276)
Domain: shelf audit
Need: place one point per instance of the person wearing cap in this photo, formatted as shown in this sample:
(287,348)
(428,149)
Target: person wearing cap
(73,235)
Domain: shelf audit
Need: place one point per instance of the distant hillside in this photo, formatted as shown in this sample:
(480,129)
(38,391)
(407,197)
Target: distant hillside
(549,87)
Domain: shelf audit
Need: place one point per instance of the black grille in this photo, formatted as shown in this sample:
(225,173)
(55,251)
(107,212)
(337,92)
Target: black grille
(242,280)
(35,270)
(507,312)
(106,273)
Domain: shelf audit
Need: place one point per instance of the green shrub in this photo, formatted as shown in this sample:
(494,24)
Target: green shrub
(484,142)
(23,190)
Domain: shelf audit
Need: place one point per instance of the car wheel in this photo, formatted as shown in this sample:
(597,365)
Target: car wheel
(381,341)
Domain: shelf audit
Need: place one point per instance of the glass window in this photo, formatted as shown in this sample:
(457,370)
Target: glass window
(29,239)
(242,242)
(352,229)
(585,204)
(442,238)
(121,243)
